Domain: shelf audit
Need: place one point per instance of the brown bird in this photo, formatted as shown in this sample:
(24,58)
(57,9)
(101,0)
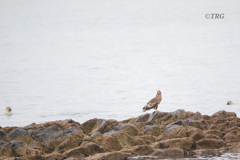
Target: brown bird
(153,103)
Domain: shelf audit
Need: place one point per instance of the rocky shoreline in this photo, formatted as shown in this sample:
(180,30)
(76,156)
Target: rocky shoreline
(157,135)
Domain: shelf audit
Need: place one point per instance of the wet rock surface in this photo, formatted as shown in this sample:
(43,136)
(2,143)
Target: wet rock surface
(159,135)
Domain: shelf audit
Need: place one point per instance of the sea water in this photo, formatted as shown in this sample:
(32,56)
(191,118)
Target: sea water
(106,59)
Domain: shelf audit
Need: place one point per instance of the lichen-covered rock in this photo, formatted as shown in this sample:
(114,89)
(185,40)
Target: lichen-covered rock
(224,114)
(181,143)
(73,137)
(151,130)
(173,152)
(195,133)
(156,135)
(145,139)
(174,131)
(77,152)
(214,132)
(20,135)
(114,141)
(195,123)
(13,148)
(233,136)
(196,116)
(3,136)
(110,124)
(143,118)
(95,137)
(62,124)
(53,138)
(209,144)
(127,128)
(93,125)
(139,150)
(8,129)
(179,114)
(212,136)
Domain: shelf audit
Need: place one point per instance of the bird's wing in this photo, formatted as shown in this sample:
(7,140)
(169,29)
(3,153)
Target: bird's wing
(152,102)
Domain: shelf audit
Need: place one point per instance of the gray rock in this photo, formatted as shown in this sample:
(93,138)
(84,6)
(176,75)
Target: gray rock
(44,137)
(153,115)
(172,129)
(179,114)
(52,133)
(120,127)
(71,130)
(2,134)
(17,133)
(110,133)
(101,124)
(14,144)
(143,117)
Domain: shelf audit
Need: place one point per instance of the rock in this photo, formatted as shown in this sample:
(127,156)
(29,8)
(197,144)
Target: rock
(110,124)
(3,136)
(181,143)
(179,114)
(233,136)
(62,124)
(159,135)
(47,134)
(20,135)
(78,152)
(130,120)
(53,156)
(158,152)
(93,148)
(171,152)
(115,141)
(209,144)
(174,152)
(195,133)
(93,125)
(95,137)
(73,138)
(145,139)
(151,130)
(195,123)
(17,133)
(212,136)
(143,118)
(117,155)
(234,147)
(224,114)
(8,129)
(139,150)
(13,148)
(53,137)
(157,115)
(140,125)
(196,116)
(127,128)
(214,132)
(174,131)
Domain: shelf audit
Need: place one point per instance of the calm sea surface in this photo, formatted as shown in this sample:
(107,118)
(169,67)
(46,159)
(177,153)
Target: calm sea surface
(107,59)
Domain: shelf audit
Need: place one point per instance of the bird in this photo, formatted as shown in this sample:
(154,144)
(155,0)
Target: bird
(229,103)
(8,111)
(153,103)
